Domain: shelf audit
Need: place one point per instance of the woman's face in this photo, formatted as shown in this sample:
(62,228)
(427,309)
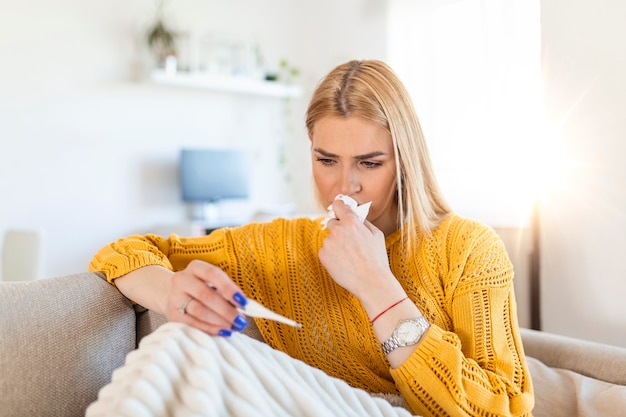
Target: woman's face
(355,157)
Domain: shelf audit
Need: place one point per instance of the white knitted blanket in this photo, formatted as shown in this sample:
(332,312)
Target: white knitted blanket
(180,371)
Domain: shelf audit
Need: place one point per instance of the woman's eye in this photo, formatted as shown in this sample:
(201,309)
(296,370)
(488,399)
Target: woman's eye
(371,164)
(325,161)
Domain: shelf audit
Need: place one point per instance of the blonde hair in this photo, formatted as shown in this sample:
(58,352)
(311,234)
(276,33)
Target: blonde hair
(371,90)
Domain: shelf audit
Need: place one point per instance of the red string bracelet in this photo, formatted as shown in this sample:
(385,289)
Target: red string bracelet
(387,309)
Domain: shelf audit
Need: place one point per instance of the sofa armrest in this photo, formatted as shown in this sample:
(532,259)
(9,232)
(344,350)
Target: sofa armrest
(600,361)
(62,338)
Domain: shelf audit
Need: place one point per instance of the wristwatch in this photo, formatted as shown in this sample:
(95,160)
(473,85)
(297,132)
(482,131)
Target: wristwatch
(407,332)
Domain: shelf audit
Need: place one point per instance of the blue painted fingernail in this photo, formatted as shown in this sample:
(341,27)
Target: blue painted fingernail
(240,299)
(225,333)
(241,321)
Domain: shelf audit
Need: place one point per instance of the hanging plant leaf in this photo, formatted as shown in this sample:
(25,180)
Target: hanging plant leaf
(161,40)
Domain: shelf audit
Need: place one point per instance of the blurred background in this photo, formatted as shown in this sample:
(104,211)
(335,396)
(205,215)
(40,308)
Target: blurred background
(522,103)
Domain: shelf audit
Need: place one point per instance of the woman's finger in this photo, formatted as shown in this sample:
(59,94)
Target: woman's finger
(196,300)
(217,279)
(343,211)
(210,328)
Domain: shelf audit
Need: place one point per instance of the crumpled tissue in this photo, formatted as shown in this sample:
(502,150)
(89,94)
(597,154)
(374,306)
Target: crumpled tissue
(360,210)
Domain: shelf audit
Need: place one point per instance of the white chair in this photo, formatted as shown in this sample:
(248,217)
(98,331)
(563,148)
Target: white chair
(22,255)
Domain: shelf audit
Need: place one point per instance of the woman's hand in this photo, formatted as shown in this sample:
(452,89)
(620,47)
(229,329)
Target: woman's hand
(203,296)
(354,254)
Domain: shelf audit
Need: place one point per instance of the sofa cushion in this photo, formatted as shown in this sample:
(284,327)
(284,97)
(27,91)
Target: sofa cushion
(564,393)
(593,359)
(62,338)
(147,322)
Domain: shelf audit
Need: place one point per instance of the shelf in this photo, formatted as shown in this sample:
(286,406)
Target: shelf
(225,83)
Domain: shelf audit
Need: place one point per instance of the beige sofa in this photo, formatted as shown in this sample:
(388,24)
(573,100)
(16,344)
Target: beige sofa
(62,338)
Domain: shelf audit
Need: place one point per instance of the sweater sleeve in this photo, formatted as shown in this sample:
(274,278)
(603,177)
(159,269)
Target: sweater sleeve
(478,366)
(174,252)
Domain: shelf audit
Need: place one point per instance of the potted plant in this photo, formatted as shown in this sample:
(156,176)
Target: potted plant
(161,39)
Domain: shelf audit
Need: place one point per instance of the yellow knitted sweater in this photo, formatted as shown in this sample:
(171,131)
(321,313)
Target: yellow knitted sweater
(470,362)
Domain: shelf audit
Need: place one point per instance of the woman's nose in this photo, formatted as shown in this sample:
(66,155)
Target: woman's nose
(350,183)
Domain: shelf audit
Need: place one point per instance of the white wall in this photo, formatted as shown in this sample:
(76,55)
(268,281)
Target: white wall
(473,69)
(88,148)
(584,218)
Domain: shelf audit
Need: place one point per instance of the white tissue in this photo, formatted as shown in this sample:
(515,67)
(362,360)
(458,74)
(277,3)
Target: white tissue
(360,210)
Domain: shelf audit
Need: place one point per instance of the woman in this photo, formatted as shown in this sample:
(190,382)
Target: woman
(415,300)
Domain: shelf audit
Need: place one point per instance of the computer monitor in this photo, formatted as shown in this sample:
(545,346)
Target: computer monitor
(210,175)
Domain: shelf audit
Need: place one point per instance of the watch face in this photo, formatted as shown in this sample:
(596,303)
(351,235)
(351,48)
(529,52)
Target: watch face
(408,332)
